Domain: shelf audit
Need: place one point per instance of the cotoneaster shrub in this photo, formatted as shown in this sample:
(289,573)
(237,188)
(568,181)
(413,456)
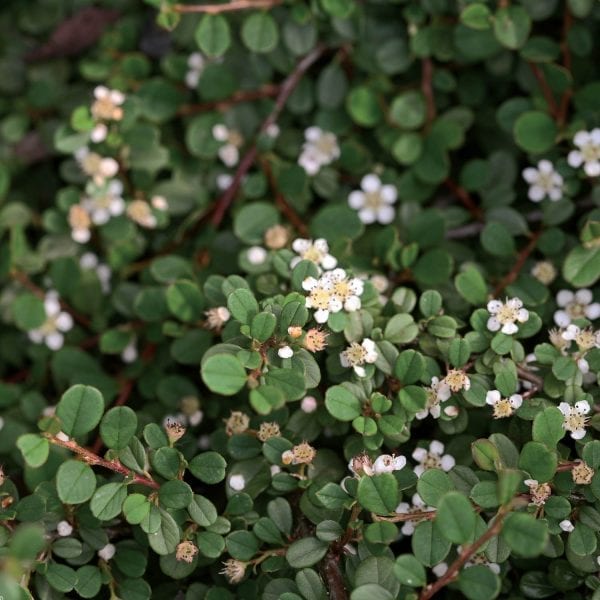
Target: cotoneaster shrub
(299,300)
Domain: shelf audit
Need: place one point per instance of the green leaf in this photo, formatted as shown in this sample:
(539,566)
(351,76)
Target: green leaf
(401,329)
(582,540)
(242,545)
(118,426)
(476,16)
(525,535)
(136,508)
(260,33)
(203,511)
(363,105)
(409,367)
(479,582)
(306,552)
(61,577)
(535,131)
(378,494)
(428,544)
(212,35)
(80,409)
(433,485)
(208,467)
(165,539)
(29,312)
(512,26)
(456,518)
(459,352)
(175,494)
(471,286)
(223,374)
(409,571)
(34,448)
(548,426)
(408,110)
(342,404)
(582,266)
(89,581)
(75,482)
(242,305)
(107,501)
(497,240)
(185,301)
(538,461)
(262,326)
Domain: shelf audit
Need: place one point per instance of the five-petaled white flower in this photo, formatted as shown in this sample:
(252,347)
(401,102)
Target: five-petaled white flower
(586,339)
(588,153)
(316,251)
(544,182)
(437,392)
(100,168)
(374,202)
(320,149)
(356,355)
(575,418)
(56,324)
(232,141)
(388,463)
(503,407)
(505,315)
(416,507)
(104,201)
(434,458)
(575,305)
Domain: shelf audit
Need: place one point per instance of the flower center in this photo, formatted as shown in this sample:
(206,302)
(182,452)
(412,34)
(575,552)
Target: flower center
(507,314)
(585,339)
(312,254)
(575,421)
(545,181)
(502,408)
(432,461)
(320,298)
(325,144)
(355,354)
(456,380)
(373,200)
(575,310)
(590,152)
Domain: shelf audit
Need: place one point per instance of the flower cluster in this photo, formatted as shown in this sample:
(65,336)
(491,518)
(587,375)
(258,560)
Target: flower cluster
(57,323)
(385,463)
(231,142)
(320,149)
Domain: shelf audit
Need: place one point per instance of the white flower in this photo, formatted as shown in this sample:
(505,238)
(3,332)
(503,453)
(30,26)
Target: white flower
(331,293)
(159,203)
(356,355)
(457,380)
(438,392)
(273,131)
(440,569)
(232,141)
(505,315)
(104,201)
(130,352)
(417,506)
(320,149)
(107,104)
(574,418)
(543,182)
(99,133)
(98,167)
(588,153)
(285,352)
(503,407)
(141,212)
(317,252)
(586,339)
(256,255)
(388,463)
(237,482)
(275,469)
(539,492)
(196,418)
(57,322)
(224,181)
(64,528)
(196,63)
(89,261)
(308,404)
(566,525)
(374,201)
(434,458)
(107,552)
(575,306)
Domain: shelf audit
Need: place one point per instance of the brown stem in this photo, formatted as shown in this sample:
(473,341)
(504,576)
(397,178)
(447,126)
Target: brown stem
(427,89)
(284,207)
(289,85)
(333,577)
(529,376)
(266,91)
(465,198)
(24,280)
(521,258)
(213,9)
(546,91)
(568,465)
(467,552)
(93,459)
(425,515)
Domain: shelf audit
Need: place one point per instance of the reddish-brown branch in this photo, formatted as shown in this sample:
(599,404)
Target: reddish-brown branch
(467,552)
(213,9)
(93,459)
(465,199)
(522,257)
(289,85)
(568,465)
(40,293)
(537,381)
(334,579)
(545,88)
(427,88)
(266,91)
(17,377)
(282,204)
(425,515)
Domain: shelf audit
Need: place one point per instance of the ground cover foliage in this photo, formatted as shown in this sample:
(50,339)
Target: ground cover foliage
(299,299)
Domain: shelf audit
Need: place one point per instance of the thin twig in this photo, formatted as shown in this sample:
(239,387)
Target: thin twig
(427,89)
(521,258)
(424,515)
(213,9)
(24,280)
(289,85)
(537,381)
(467,552)
(266,91)
(282,204)
(93,459)
(546,91)
(465,198)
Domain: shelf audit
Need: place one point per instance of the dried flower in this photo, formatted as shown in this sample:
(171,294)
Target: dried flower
(267,431)
(582,473)
(140,212)
(237,422)
(234,570)
(186,551)
(277,237)
(457,380)
(302,453)
(544,271)
(315,340)
(80,224)
(361,465)
(175,430)
(539,492)
(217,317)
